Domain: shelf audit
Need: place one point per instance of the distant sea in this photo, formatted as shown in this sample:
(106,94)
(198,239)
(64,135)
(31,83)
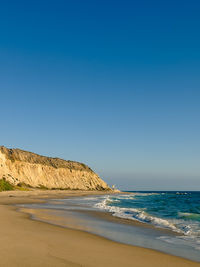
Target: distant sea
(174,217)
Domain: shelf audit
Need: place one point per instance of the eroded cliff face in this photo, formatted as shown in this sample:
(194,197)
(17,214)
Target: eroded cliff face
(18,166)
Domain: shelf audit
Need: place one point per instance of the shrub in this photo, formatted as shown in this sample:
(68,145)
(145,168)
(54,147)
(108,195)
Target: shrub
(5,185)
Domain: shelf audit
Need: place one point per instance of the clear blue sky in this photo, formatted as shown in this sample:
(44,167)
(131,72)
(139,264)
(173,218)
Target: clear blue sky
(113,84)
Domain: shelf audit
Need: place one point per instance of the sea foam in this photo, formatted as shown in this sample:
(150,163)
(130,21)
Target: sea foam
(134,214)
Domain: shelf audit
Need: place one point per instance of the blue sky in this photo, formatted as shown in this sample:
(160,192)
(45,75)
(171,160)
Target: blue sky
(113,84)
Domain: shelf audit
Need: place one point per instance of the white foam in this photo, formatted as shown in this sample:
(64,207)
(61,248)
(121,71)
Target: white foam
(135,214)
(190,230)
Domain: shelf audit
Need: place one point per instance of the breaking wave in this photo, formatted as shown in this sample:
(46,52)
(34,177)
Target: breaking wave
(134,214)
(174,211)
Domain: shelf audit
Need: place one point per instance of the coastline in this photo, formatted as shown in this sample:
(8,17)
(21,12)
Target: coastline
(27,242)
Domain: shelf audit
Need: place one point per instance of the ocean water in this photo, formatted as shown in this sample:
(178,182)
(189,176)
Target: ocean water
(178,212)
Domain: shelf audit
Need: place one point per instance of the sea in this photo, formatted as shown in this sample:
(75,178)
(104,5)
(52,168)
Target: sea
(164,221)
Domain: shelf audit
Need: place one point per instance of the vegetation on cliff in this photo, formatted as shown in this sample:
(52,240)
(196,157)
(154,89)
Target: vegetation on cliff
(5,185)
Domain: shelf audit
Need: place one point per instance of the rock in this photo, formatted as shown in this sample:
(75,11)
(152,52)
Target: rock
(27,168)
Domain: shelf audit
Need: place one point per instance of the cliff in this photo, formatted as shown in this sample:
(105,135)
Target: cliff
(22,167)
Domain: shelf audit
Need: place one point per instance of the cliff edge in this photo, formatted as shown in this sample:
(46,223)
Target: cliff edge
(23,167)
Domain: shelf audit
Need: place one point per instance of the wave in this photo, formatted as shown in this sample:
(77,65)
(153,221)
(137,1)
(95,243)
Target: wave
(135,214)
(189,216)
(133,195)
(166,211)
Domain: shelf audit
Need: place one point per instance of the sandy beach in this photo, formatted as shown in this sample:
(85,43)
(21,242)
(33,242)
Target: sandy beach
(25,242)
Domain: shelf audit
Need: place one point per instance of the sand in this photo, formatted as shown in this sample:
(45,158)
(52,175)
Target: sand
(25,242)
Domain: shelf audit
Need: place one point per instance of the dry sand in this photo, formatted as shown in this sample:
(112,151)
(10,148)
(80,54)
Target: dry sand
(24,242)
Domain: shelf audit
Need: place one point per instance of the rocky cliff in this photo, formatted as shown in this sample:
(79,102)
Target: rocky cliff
(22,167)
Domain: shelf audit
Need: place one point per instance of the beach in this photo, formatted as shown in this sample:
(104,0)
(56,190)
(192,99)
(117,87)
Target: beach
(26,242)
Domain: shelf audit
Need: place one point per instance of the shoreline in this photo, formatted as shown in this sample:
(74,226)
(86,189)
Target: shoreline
(37,243)
(74,214)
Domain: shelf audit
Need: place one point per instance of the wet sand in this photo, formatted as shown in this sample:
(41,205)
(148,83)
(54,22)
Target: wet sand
(25,242)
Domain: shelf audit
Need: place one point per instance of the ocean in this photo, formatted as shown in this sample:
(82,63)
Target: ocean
(177,211)
(169,221)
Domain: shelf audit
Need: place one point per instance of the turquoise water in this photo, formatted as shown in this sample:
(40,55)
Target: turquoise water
(178,211)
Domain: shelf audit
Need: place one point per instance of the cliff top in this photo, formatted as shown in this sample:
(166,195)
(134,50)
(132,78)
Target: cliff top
(25,156)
